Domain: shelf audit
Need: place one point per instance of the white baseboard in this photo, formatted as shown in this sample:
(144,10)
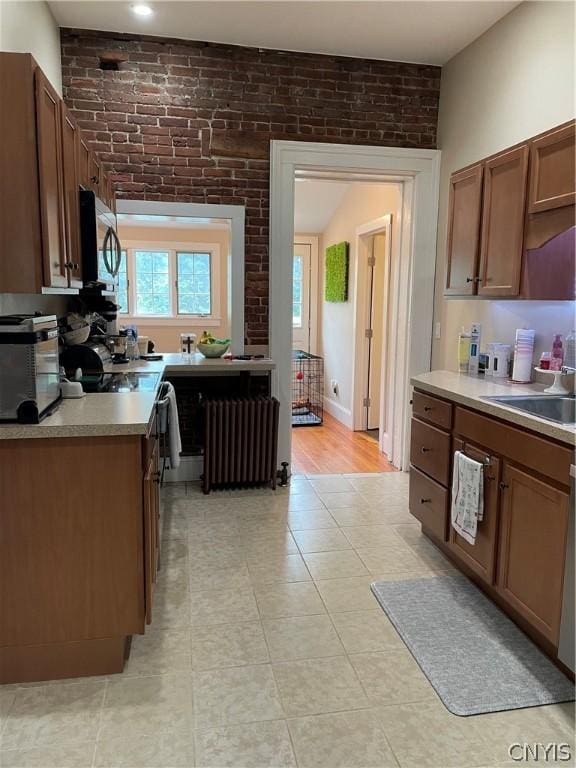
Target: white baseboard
(343,415)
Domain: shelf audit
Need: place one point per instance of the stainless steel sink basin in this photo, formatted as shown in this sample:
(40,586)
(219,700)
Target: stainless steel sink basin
(558,408)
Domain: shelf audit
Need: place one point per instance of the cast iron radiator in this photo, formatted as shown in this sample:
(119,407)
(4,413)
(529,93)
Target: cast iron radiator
(240,442)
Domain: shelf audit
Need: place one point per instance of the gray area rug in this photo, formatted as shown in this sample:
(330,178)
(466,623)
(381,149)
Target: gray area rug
(476,659)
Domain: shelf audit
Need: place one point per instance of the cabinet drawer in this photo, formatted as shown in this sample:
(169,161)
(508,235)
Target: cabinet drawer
(429,503)
(431,409)
(430,451)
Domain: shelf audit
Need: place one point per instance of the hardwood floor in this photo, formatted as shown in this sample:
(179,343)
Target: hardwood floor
(334,449)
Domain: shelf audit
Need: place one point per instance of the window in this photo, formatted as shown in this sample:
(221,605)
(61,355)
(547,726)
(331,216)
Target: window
(152,273)
(166,284)
(297,290)
(122,280)
(193,286)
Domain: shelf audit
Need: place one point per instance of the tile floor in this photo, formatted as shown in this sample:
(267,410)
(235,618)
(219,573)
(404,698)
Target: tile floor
(268,650)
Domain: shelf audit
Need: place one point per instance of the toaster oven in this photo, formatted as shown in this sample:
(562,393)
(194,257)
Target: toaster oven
(29,369)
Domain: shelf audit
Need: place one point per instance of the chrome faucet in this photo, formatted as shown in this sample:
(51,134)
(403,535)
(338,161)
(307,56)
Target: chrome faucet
(566,369)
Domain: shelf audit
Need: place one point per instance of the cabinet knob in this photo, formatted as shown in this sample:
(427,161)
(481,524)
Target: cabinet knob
(425,450)
(425,501)
(503,486)
(94,179)
(69,265)
(428,408)
(472,279)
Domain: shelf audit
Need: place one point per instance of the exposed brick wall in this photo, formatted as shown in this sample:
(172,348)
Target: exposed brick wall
(190,122)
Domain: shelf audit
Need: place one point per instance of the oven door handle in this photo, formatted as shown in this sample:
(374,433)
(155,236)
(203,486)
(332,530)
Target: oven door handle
(105,246)
(118,247)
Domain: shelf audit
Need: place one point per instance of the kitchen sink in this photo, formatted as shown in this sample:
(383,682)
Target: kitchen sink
(558,408)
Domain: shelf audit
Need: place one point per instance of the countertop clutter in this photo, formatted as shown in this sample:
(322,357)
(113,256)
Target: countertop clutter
(471,390)
(128,413)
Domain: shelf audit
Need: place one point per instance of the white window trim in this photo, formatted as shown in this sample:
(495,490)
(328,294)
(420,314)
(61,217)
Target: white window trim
(212,320)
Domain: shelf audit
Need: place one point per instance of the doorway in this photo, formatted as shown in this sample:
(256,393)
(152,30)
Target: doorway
(417,171)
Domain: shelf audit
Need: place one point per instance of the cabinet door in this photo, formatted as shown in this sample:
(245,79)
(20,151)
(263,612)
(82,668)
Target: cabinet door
(48,129)
(533,529)
(95,172)
(71,200)
(463,244)
(505,178)
(151,529)
(481,556)
(552,174)
(84,163)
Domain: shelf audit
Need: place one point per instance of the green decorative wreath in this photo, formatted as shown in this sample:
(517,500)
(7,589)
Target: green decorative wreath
(337,265)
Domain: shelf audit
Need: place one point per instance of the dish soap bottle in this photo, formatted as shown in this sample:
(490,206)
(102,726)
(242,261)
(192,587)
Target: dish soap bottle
(557,355)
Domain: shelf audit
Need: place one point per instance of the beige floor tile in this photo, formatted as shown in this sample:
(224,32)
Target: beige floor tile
(310,519)
(298,484)
(226,555)
(173,490)
(363,631)
(399,516)
(285,600)
(171,607)
(228,645)
(140,706)
(371,535)
(303,502)
(158,652)
(7,696)
(222,606)
(316,686)
(47,716)
(351,594)
(330,484)
(341,740)
(264,546)
(252,745)
(352,516)
(427,735)
(323,540)
(431,557)
(204,577)
(390,558)
(164,750)
(302,637)
(59,756)
(392,677)
(342,500)
(173,552)
(235,695)
(279,569)
(411,533)
(335,565)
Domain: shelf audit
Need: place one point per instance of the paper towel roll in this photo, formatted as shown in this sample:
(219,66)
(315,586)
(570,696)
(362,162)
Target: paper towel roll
(523,355)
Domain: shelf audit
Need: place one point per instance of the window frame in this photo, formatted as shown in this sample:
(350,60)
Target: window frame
(173,248)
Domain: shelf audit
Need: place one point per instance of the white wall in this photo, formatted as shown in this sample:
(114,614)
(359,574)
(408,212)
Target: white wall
(27,26)
(362,203)
(515,81)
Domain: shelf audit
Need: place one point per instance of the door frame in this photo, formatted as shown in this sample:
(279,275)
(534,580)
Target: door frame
(418,169)
(393,325)
(312,242)
(236,215)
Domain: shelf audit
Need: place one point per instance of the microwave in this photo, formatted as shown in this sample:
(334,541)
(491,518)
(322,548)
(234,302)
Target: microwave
(101,249)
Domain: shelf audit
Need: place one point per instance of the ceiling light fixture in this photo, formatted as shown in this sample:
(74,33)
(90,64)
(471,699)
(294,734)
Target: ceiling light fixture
(141,10)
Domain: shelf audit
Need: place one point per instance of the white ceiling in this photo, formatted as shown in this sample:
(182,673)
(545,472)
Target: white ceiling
(429,32)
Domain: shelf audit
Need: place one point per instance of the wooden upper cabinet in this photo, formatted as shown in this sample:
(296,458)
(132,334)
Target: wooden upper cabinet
(464,213)
(505,178)
(533,530)
(552,170)
(49,133)
(95,174)
(70,139)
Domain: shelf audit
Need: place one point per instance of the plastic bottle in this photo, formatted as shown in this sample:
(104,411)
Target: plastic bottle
(570,350)
(557,354)
(463,351)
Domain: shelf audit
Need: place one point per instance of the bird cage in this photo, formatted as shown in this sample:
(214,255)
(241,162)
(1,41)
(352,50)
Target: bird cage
(307,389)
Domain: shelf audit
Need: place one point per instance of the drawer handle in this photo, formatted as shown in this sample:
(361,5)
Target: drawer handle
(425,450)
(428,408)
(425,501)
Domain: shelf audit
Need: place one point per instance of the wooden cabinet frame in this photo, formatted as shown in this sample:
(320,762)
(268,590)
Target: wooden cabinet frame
(464,219)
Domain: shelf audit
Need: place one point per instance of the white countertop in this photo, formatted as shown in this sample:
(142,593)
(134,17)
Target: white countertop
(124,413)
(471,391)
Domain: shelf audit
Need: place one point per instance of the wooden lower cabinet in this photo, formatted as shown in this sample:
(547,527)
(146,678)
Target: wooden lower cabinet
(533,530)
(78,553)
(481,556)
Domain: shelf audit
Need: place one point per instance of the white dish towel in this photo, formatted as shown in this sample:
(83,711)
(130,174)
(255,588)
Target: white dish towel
(467,496)
(174,440)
